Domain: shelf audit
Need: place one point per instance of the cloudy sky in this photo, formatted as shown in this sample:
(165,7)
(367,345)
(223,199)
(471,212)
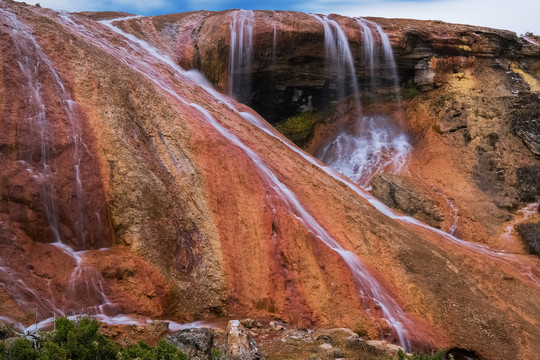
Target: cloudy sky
(517,15)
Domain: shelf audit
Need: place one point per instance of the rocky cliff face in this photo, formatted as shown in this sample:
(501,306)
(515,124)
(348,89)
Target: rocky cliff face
(195,208)
(468,95)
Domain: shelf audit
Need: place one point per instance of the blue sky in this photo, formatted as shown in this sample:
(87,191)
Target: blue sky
(516,15)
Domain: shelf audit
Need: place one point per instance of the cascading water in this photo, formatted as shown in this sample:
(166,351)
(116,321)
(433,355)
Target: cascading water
(42,164)
(339,60)
(240,55)
(374,143)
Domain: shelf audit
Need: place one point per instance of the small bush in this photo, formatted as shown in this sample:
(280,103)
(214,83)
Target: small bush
(217,354)
(22,350)
(52,351)
(3,350)
(530,233)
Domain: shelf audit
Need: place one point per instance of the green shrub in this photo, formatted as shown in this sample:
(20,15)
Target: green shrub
(3,351)
(81,340)
(52,351)
(166,351)
(217,354)
(22,349)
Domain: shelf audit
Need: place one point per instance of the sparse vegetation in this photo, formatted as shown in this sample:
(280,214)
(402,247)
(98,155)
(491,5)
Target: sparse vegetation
(217,354)
(298,128)
(80,339)
(439,355)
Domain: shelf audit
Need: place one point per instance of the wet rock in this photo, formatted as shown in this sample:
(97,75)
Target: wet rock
(529,183)
(196,343)
(240,343)
(407,196)
(526,122)
(530,233)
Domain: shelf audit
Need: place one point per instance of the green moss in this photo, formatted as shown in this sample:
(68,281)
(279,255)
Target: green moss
(298,128)
(409,92)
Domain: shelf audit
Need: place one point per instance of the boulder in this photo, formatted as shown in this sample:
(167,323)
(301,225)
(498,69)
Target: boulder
(196,343)
(240,344)
(529,183)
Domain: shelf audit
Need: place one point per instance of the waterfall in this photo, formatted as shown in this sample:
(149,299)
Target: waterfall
(339,60)
(373,143)
(240,55)
(36,68)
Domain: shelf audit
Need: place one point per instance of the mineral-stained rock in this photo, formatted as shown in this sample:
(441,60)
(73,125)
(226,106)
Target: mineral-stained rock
(407,196)
(240,343)
(195,343)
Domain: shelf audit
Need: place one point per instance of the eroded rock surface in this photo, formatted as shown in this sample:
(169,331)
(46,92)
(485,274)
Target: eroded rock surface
(407,196)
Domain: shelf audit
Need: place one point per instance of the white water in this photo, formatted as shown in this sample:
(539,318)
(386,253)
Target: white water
(455,210)
(373,144)
(241,52)
(274,40)
(339,60)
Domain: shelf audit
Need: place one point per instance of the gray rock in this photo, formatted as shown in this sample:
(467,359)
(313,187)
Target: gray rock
(196,343)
